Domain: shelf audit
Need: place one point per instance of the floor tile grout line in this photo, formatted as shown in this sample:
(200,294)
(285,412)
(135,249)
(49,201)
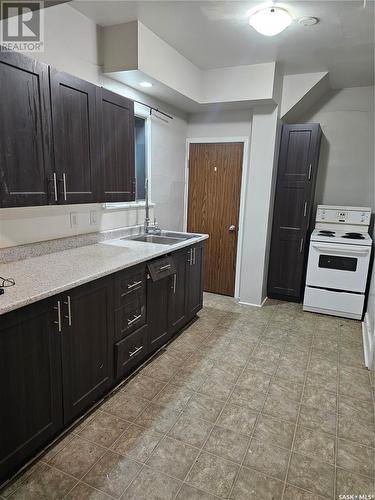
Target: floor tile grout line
(111,449)
(219,415)
(161,439)
(194,391)
(337,411)
(259,413)
(297,419)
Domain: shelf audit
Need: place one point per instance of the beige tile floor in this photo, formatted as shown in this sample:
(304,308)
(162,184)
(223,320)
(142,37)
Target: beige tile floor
(247,403)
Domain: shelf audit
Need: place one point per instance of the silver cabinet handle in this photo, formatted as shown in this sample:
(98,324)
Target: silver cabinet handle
(301,246)
(310,167)
(232,227)
(305,209)
(164,268)
(69,317)
(136,283)
(137,349)
(190,259)
(55,186)
(57,308)
(194,250)
(64,185)
(174,283)
(136,318)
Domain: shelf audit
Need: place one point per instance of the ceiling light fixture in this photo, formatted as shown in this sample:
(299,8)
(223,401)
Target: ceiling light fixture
(146,85)
(270,21)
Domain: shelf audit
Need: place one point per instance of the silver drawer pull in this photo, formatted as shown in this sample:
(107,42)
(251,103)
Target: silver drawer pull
(55,186)
(136,318)
(163,268)
(137,349)
(58,322)
(69,317)
(136,283)
(64,185)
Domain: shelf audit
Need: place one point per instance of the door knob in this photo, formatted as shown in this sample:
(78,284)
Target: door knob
(232,227)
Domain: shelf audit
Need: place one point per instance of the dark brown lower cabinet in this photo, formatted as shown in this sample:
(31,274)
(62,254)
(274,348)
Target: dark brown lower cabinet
(194,286)
(178,292)
(31,410)
(175,300)
(294,200)
(87,340)
(130,351)
(158,305)
(61,355)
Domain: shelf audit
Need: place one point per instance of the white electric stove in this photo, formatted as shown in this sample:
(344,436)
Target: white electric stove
(338,262)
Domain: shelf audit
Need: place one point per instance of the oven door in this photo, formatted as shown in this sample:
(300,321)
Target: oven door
(337,266)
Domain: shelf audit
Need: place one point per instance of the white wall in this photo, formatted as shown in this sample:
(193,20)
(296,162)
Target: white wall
(345,166)
(71,45)
(259,206)
(168,171)
(261,127)
(234,123)
(370,313)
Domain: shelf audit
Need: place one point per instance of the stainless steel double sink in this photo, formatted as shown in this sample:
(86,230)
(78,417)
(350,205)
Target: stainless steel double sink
(164,238)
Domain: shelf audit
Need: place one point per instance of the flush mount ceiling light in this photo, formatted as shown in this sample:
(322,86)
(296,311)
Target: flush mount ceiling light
(146,84)
(270,21)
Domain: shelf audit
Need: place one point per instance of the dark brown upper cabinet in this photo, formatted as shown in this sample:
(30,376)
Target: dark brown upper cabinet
(26,136)
(62,140)
(117,147)
(294,198)
(75,129)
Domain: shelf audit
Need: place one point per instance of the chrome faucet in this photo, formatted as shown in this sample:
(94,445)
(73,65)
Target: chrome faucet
(148,226)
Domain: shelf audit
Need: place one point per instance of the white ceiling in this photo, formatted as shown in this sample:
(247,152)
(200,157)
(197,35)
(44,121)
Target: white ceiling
(214,34)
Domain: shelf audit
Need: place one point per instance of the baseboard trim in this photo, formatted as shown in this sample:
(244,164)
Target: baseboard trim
(368,341)
(253,305)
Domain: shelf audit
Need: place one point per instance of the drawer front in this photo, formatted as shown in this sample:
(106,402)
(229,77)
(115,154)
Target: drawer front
(130,317)
(129,283)
(130,351)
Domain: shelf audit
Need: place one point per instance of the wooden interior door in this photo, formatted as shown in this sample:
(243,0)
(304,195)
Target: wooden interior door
(215,172)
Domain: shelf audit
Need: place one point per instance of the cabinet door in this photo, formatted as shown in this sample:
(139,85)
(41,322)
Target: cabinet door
(75,138)
(178,292)
(87,345)
(294,197)
(30,384)
(117,147)
(195,280)
(25,132)
(158,293)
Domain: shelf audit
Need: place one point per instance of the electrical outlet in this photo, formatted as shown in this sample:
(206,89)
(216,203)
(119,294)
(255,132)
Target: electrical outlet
(93,218)
(73,219)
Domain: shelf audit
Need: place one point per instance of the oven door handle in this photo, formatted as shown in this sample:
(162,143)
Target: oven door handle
(339,251)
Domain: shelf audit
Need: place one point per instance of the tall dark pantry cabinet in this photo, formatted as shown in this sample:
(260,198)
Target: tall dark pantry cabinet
(293,209)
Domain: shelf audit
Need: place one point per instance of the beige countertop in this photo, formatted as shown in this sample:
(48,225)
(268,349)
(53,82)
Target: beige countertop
(40,277)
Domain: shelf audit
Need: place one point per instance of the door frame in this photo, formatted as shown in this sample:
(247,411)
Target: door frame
(241,218)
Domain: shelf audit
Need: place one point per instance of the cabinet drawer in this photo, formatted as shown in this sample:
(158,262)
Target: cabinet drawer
(130,317)
(130,351)
(129,283)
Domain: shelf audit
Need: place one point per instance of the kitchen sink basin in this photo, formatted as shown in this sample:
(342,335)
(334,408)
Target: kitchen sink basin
(155,238)
(164,238)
